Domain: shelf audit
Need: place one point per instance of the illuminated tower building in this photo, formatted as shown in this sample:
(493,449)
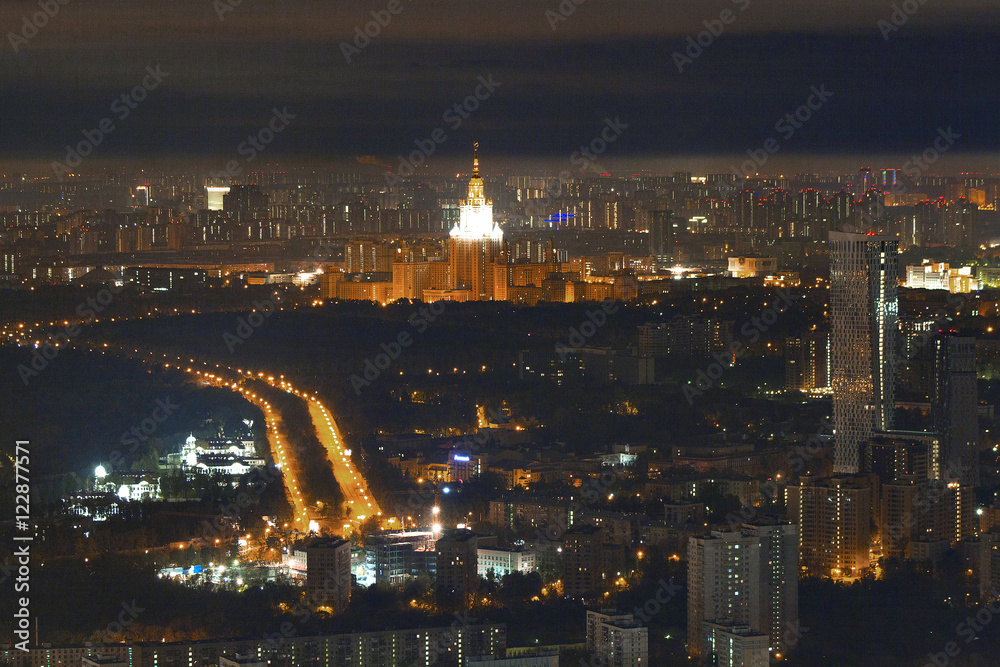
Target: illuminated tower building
(864,273)
(475,241)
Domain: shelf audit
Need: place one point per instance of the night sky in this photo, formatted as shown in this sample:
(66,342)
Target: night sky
(605,60)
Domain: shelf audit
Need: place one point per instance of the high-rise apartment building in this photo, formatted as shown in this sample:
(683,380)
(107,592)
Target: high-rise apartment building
(583,560)
(662,237)
(245,202)
(368,257)
(925,511)
(955,405)
(807,362)
(328,573)
(748,577)
(903,455)
(989,566)
(778,580)
(834,517)
(457,566)
(864,272)
(686,336)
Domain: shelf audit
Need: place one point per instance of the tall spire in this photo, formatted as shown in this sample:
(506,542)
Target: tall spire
(477,195)
(476,211)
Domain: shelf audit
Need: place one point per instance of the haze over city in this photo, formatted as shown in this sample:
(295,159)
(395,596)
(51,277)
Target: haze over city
(499,334)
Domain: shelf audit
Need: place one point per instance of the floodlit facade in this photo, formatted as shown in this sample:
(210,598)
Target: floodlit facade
(475,241)
(214,196)
(505,561)
(864,274)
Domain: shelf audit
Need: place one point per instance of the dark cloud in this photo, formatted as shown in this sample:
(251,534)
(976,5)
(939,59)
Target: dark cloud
(607,59)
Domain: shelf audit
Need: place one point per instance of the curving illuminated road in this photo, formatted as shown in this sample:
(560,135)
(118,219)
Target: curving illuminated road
(352,484)
(300,517)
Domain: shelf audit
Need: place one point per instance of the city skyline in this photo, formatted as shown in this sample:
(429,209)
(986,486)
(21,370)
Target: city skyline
(464,334)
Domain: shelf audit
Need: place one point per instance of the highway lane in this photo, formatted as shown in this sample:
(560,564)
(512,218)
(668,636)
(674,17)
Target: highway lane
(280,452)
(353,485)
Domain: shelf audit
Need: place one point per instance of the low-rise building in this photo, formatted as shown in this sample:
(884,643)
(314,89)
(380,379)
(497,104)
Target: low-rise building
(729,644)
(505,561)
